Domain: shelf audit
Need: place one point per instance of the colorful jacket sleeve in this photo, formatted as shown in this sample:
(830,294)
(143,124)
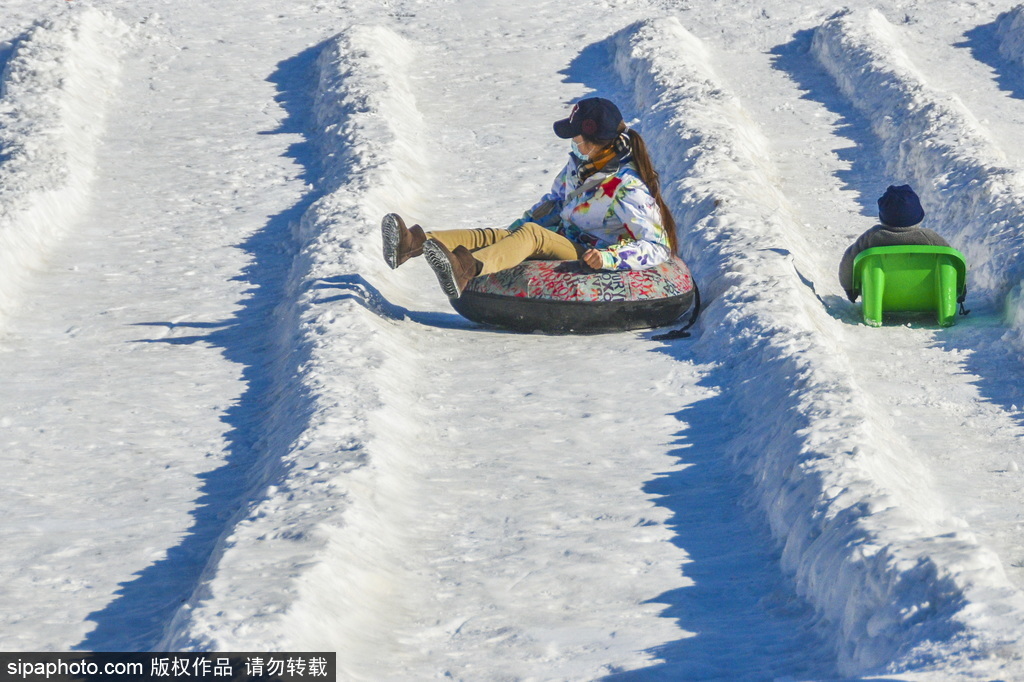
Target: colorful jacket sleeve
(645,242)
(546,212)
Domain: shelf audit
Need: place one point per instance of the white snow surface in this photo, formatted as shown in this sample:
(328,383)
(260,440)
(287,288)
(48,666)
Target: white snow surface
(54,91)
(228,426)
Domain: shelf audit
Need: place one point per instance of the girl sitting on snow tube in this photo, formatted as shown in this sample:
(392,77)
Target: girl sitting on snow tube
(604,209)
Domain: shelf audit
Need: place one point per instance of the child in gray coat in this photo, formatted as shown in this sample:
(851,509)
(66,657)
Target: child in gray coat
(900,215)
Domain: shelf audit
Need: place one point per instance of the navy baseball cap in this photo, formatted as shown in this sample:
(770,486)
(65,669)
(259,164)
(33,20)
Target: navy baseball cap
(595,118)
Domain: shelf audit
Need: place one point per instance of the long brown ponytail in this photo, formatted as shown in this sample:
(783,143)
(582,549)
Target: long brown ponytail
(650,177)
(638,149)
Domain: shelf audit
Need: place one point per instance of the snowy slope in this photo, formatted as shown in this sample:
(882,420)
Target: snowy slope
(850,500)
(147,315)
(56,89)
(228,426)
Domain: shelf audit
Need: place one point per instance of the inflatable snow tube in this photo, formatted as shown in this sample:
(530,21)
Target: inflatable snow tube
(561,297)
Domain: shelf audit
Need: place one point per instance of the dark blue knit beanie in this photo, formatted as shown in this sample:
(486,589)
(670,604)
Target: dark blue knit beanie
(900,207)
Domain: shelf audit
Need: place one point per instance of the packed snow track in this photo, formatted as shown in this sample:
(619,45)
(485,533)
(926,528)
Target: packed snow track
(228,426)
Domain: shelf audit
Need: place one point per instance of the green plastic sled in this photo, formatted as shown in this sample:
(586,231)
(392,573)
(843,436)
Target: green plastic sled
(910,279)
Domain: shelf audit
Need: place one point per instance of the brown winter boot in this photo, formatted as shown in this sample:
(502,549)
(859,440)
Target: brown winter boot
(454,269)
(400,243)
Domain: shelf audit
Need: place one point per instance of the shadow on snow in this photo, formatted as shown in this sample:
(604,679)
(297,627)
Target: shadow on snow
(746,620)
(867,174)
(983,44)
(260,430)
(354,287)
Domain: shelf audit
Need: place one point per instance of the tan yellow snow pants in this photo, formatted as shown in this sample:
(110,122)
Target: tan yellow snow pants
(500,249)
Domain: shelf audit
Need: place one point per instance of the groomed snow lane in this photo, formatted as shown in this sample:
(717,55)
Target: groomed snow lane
(234,429)
(135,354)
(873,544)
(508,506)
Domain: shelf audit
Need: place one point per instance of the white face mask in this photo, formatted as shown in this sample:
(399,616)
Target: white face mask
(577,153)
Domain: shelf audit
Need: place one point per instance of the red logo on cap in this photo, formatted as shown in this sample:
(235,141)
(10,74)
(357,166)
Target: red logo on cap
(589,126)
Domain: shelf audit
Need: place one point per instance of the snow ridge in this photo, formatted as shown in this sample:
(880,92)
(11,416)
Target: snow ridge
(934,142)
(898,580)
(1010,32)
(54,92)
(324,482)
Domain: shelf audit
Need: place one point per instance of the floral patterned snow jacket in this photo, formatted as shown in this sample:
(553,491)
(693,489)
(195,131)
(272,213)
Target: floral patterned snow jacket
(611,211)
